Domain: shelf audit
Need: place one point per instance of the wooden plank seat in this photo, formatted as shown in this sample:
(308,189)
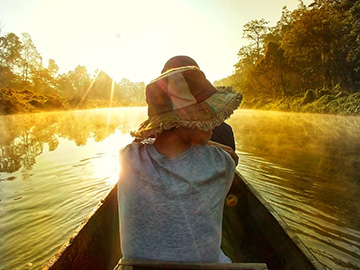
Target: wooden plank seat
(126,264)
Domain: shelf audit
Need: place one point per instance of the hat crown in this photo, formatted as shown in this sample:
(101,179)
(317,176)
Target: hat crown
(176,89)
(179,61)
(182,97)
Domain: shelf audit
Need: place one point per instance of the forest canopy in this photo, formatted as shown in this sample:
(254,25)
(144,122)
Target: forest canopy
(27,85)
(308,61)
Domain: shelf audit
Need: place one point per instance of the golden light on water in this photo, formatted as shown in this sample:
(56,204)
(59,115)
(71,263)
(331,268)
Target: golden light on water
(306,165)
(107,166)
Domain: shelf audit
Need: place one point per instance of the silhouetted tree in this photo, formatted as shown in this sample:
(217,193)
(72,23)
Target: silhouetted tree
(255,31)
(10,48)
(30,57)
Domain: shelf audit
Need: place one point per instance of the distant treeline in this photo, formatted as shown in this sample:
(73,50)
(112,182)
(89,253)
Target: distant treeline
(26,85)
(309,61)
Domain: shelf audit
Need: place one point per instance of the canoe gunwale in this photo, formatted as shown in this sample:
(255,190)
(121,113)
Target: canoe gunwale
(284,231)
(81,250)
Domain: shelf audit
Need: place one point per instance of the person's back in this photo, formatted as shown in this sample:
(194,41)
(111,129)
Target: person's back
(172,190)
(172,207)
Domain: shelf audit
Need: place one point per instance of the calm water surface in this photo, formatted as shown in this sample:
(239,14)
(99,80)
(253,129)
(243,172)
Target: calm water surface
(56,167)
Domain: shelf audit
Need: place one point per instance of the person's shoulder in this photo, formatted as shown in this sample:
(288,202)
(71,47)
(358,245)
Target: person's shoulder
(213,150)
(136,146)
(131,147)
(217,151)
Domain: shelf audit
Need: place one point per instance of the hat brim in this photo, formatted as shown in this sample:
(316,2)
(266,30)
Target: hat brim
(204,116)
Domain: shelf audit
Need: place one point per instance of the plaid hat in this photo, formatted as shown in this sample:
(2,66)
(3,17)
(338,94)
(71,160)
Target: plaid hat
(179,61)
(183,97)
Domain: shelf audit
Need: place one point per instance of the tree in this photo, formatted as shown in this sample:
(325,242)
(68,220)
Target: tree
(31,59)
(276,33)
(10,47)
(81,83)
(101,89)
(65,86)
(351,45)
(53,68)
(247,57)
(44,79)
(255,31)
(313,42)
(7,77)
(131,93)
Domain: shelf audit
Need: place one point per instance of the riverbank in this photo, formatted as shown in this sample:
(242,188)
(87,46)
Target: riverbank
(314,101)
(26,101)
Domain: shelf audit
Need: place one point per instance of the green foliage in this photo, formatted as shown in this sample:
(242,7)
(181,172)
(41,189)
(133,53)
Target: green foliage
(134,93)
(30,60)
(21,67)
(314,47)
(319,101)
(330,104)
(310,96)
(7,77)
(10,47)
(255,31)
(309,61)
(24,101)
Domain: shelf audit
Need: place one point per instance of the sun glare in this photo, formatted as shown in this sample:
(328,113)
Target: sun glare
(133,39)
(123,38)
(107,165)
(90,86)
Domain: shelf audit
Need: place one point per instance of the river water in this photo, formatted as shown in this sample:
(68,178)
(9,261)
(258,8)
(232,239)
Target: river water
(56,167)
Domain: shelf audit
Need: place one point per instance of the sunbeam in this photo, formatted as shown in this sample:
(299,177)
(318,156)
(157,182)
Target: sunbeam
(89,88)
(111,92)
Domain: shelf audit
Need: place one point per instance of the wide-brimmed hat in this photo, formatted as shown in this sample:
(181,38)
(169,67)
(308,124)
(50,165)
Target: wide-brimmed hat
(183,97)
(179,61)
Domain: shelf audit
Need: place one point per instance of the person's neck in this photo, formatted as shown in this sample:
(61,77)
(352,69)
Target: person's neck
(171,143)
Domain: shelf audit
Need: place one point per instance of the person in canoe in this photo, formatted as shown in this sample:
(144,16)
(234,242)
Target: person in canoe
(223,133)
(172,188)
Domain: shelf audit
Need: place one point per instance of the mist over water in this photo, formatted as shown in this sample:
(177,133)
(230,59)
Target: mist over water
(308,167)
(56,167)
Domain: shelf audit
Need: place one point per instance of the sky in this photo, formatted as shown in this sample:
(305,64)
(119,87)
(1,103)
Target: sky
(134,38)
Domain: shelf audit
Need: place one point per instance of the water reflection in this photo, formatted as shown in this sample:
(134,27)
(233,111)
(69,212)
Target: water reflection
(22,137)
(55,167)
(308,167)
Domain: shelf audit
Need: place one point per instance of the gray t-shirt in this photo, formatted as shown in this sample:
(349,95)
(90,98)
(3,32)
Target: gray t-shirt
(171,209)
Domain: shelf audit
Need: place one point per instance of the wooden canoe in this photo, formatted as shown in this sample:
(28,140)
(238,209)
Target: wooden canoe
(252,233)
